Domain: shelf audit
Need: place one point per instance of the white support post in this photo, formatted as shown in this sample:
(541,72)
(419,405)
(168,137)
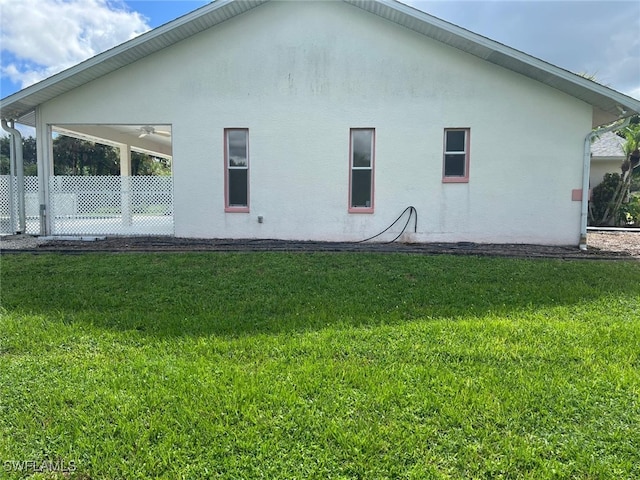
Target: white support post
(12,184)
(16,157)
(125,178)
(125,182)
(44,155)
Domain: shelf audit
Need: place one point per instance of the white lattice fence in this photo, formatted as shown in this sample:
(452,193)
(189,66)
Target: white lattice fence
(109,205)
(6,205)
(32,205)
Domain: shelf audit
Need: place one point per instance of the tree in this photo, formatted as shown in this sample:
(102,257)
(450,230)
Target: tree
(602,195)
(28,154)
(143,164)
(4,156)
(635,178)
(72,156)
(619,186)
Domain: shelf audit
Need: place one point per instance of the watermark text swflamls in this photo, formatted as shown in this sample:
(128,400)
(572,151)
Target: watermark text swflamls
(32,466)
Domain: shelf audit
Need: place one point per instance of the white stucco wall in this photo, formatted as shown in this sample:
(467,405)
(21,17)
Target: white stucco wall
(602,166)
(299,75)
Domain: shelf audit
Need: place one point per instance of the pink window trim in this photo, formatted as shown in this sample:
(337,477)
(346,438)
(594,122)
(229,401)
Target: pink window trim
(236,209)
(227,207)
(370,209)
(455,179)
(467,148)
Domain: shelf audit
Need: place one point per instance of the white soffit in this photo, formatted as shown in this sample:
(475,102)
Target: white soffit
(605,101)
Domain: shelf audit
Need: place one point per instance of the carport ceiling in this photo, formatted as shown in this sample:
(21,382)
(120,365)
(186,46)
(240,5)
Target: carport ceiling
(152,139)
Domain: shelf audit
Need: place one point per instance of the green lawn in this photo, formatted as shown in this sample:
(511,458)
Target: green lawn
(297,366)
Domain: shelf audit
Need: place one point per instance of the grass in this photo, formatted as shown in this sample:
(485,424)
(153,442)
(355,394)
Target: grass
(342,366)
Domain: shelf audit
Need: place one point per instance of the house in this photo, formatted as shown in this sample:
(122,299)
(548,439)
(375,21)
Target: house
(607,155)
(317,120)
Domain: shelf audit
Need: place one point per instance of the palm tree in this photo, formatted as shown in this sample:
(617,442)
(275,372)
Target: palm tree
(631,149)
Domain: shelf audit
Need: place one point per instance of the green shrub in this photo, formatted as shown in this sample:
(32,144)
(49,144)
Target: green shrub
(635,180)
(601,197)
(631,211)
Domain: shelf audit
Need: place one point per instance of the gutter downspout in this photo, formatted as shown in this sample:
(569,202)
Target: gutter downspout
(586,167)
(16,142)
(12,186)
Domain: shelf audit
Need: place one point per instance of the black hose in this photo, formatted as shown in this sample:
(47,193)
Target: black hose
(412,212)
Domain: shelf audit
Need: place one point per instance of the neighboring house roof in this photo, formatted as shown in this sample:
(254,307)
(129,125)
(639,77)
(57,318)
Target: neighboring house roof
(605,101)
(608,147)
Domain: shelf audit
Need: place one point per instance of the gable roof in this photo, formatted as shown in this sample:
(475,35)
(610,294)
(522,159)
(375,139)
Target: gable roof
(607,103)
(608,145)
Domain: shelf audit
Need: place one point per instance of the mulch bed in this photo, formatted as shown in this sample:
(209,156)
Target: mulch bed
(173,244)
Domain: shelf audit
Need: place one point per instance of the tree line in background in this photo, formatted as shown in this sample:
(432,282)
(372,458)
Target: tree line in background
(28,153)
(72,156)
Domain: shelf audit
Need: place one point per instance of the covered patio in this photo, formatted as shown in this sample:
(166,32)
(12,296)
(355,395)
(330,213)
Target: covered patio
(122,204)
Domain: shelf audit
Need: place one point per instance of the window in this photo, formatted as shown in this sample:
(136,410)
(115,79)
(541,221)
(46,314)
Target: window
(456,155)
(236,165)
(361,153)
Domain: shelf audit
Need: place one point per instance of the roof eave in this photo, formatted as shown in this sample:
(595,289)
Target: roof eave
(618,158)
(21,103)
(608,104)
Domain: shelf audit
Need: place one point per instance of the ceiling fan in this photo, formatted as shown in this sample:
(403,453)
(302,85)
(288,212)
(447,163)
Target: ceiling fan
(149,130)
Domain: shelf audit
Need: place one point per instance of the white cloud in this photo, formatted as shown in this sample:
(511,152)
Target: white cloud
(43,37)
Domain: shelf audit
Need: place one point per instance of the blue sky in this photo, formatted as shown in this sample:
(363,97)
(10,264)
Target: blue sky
(159,12)
(42,37)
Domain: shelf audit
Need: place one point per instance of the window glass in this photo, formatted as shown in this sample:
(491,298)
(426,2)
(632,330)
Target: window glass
(454,165)
(361,145)
(237,144)
(238,187)
(361,188)
(455,141)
